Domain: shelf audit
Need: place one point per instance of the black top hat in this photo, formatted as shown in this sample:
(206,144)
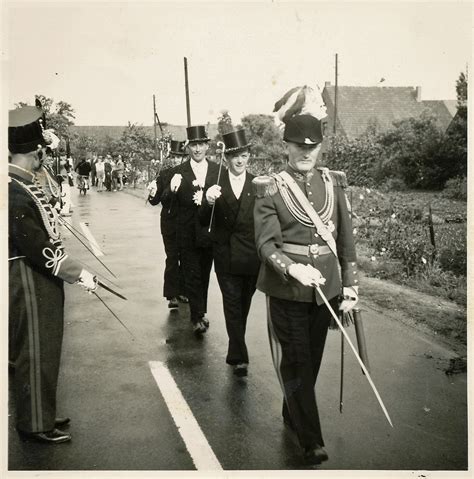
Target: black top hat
(196,133)
(25,129)
(177,148)
(235,141)
(303,130)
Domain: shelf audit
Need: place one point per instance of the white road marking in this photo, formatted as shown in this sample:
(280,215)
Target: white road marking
(194,439)
(87,232)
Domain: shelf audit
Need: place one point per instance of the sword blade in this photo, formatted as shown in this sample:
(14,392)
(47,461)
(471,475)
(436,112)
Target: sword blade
(362,365)
(110,290)
(113,314)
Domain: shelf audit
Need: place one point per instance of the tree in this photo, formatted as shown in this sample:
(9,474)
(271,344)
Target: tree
(83,146)
(135,143)
(413,151)
(59,116)
(266,140)
(224,124)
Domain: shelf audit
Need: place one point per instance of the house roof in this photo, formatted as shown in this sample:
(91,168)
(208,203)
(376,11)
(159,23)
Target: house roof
(359,107)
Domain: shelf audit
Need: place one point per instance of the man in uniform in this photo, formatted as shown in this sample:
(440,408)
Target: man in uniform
(235,256)
(173,282)
(188,184)
(295,258)
(38,266)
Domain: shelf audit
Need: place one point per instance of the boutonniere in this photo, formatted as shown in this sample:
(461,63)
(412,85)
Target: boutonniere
(196,183)
(197,197)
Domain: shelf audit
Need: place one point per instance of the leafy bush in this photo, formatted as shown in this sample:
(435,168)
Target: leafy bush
(456,188)
(357,157)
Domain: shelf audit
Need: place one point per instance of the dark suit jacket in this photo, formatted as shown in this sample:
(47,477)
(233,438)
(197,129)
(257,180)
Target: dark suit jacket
(169,211)
(232,233)
(190,231)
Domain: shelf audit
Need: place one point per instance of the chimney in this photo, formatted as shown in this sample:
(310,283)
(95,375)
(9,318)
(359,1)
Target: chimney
(327,84)
(418,93)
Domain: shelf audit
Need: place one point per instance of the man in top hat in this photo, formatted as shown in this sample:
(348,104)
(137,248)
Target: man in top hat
(173,284)
(38,267)
(295,258)
(188,184)
(235,257)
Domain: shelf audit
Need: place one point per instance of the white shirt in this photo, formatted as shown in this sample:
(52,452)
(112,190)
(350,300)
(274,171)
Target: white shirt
(199,170)
(237,183)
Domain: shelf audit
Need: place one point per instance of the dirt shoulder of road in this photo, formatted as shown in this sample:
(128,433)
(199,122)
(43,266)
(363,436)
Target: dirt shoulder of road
(443,321)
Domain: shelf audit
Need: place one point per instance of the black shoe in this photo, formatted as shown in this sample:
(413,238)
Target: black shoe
(173,303)
(314,456)
(62,421)
(240,370)
(51,437)
(199,328)
(183,299)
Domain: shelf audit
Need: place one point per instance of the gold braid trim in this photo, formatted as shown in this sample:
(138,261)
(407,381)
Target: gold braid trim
(49,220)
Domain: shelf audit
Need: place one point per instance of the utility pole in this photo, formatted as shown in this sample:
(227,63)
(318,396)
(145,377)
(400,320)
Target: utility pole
(335,102)
(155,144)
(186,87)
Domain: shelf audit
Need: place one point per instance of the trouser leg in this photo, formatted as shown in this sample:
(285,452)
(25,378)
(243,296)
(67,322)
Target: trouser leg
(233,288)
(36,316)
(171,274)
(297,334)
(205,262)
(191,264)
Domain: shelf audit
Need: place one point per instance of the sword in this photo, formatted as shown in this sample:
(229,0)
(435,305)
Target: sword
(110,290)
(113,314)
(362,365)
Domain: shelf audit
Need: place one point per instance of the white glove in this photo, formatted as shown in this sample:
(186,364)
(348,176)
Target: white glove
(351,297)
(152,187)
(306,274)
(175,182)
(87,280)
(213,193)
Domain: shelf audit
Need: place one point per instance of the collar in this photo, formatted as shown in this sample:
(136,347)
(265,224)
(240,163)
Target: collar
(21,173)
(233,177)
(300,176)
(198,166)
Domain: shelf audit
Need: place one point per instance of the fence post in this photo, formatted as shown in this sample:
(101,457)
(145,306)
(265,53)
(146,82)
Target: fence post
(431,228)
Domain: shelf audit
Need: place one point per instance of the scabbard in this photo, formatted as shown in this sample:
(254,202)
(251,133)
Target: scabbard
(361,344)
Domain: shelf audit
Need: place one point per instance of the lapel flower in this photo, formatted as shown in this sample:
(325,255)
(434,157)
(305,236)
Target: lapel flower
(197,197)
(198,184)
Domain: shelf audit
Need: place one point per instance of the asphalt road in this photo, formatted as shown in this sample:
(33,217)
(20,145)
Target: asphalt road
(120,420)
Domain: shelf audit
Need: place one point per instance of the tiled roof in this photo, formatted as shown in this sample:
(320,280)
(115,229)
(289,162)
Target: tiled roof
(359,107)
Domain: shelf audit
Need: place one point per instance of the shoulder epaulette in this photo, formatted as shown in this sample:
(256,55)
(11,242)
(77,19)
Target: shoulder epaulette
(339,178)
(264,186)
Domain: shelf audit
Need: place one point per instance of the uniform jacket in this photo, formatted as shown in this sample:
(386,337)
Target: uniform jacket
(275,225)
(233,235)
(190,231)
(28,237)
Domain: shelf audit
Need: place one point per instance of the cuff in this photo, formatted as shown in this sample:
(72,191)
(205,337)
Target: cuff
(350,275)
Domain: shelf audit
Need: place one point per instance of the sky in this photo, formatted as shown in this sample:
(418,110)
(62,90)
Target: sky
(108,59)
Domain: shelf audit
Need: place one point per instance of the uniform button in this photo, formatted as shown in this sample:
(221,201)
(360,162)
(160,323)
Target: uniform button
(278,261)
(309,193)
(355,281)
(353,264)
(283,265)
(316,235)
(315,255)
(274,256)
(311,203)
(308,184)
(354,272)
